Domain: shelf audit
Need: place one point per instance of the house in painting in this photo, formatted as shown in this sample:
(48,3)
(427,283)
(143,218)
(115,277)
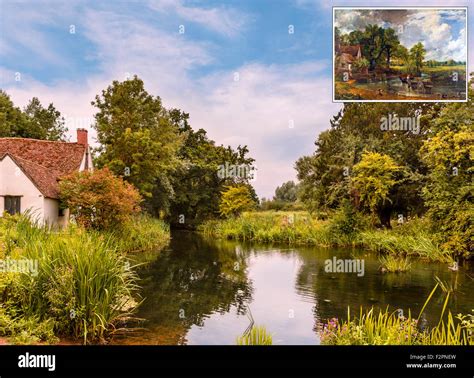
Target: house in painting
(30,171)
(346,56)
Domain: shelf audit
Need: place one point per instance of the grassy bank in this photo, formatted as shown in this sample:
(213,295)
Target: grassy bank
(70,283)
(383,327)
(298,228)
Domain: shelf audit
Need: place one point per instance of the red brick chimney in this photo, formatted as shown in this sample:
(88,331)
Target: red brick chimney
(82,137)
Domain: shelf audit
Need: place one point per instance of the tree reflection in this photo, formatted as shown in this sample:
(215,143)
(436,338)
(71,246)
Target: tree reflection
(193,279)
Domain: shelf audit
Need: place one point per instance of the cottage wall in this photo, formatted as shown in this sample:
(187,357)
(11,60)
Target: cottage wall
(14,182)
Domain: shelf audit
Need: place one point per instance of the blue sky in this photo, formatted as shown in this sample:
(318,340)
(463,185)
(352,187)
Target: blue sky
(278,105)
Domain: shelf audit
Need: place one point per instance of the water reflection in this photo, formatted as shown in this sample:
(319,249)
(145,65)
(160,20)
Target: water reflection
(197,291)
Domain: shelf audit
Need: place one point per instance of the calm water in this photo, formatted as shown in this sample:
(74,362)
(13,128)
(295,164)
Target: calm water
(199,291)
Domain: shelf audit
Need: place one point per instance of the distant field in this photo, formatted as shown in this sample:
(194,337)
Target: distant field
(459,68)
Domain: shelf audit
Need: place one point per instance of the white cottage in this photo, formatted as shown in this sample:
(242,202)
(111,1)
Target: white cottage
(30,171)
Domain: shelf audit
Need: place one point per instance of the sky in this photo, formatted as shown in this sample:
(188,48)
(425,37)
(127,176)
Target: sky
(249,72)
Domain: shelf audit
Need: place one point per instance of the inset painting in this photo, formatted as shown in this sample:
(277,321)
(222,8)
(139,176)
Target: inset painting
(400,54)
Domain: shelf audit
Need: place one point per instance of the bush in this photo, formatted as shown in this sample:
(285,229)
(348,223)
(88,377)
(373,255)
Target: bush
(98,199)
(347,223)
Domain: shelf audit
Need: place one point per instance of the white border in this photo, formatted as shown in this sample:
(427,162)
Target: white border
(334,8)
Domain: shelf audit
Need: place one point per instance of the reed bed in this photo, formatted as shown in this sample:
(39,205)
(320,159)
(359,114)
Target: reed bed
(84,283)
(299,228)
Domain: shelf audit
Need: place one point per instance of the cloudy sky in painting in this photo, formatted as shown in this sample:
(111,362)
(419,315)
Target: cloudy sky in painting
(280,103)
(442,32)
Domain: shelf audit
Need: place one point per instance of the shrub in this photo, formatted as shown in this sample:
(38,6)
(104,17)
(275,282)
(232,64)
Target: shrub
(347,222)
(235,200)
(98,199)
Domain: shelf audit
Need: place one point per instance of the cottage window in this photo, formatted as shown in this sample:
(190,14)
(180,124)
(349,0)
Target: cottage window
(12,204)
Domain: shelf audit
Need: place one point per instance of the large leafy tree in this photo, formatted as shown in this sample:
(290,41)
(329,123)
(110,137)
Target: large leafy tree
(154,148)
(374,178)
(196,184)
(137,137)
(417,56)
(448,153)
(325,175)
(34,121)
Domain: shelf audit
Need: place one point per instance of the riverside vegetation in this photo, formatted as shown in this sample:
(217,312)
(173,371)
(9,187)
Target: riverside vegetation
(85,284)
(411,238)
(150,161)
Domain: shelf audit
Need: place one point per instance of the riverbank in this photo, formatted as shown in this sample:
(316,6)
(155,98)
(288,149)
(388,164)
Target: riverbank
(70,283)
(412,238)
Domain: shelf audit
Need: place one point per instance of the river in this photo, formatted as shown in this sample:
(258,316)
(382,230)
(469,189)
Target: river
(200,291)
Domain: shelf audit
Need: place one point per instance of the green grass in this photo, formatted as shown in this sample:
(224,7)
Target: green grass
(383,327)
(258,335)
(272,227)
(409,239)
(141,234)
(85,285)
(395,264)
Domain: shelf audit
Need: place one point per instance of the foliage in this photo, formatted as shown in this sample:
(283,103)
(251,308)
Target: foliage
(325,175)
(82,284)
(299,228)
(361,63)
(378,44)
(98,199)
(196,184)
(278,205)
(258,335)
(34,121)
(417,56)
(138,140)
(347,222)
(140,234)
(449,190)
(287,192)
(392,328)
(173,166)
(374,177)
(235,200)
(395,264)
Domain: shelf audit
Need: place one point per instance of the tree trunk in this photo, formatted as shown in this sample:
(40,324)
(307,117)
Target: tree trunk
(384,217)
(372,64)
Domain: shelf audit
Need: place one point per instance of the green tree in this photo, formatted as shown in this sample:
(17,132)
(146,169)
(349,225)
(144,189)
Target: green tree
(138,140)
(235,200)
(374,44)
(374,177)
(325,176)
(417,56)
(45,123)
(449,189)
(287,192)
(196,183)
(391,43)
(34,122)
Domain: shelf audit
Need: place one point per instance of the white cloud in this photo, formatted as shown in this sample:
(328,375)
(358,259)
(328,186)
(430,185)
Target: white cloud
(224,20)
